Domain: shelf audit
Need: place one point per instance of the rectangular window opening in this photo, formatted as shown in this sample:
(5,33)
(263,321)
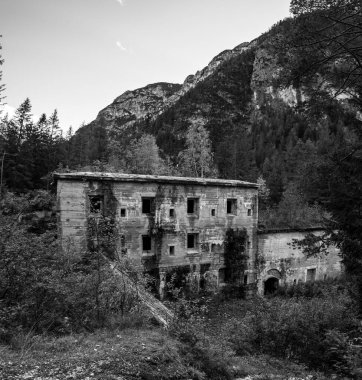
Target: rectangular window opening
(245,279)
(191,206)
(96,203)
(172,213)
(231,206)
(213,248)
(213,212)
(311,274)
(148,205)
(249,211)
(171,250)
(123,212)
(146,243)
(192,241)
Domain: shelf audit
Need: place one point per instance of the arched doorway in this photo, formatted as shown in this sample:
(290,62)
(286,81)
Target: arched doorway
(271,285)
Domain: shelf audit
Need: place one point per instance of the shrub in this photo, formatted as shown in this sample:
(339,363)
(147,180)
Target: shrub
(301,329)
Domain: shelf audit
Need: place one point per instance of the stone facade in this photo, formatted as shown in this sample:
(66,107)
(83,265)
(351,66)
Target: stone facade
(170,222)
(165,221)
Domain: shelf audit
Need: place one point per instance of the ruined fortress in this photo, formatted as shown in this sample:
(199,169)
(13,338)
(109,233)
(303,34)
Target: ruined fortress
(164,223)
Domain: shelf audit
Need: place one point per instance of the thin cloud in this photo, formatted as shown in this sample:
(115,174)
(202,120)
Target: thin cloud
(119,44)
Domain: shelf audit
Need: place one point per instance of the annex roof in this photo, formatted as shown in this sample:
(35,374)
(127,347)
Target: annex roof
(121,177)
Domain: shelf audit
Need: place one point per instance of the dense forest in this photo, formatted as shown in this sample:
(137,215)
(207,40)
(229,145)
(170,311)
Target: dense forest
(284,112)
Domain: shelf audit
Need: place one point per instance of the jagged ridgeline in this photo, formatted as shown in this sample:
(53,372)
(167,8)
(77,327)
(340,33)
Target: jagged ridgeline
(260,120)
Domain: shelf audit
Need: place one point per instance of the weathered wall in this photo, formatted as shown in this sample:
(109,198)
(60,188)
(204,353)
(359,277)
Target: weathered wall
(73,207)
(278,258)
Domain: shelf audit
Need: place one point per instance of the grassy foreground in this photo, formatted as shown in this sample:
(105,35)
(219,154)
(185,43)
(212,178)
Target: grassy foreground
(145,353)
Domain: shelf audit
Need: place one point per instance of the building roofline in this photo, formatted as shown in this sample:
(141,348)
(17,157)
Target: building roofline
(283,230)
(120,177)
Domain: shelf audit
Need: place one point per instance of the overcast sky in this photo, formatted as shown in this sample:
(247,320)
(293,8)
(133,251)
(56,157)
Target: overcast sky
(78,55)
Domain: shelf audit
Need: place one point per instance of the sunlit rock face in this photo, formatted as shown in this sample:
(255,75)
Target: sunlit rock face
(153,99)
(140,103)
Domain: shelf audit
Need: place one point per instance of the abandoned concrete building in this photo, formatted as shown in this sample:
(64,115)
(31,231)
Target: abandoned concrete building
(176,222)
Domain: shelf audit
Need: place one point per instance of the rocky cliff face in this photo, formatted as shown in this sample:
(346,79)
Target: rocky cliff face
(152,100)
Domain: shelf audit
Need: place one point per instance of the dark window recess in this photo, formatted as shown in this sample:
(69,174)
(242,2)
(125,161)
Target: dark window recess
(191,241)
(96,203)
(192,206)
(146,243)
(148,205)
(249,211)
(311,273)
(231,206)
(245,279)
(123,212)
(172,250)
(249,244)
(172,213)
(213,248)
(213,212)
(123,245)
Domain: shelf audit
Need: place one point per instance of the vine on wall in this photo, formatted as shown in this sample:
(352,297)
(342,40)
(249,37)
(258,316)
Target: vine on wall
(235,255)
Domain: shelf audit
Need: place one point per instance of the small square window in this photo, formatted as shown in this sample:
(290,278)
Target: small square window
(213,212)
(123,212)
(192,241)
(148,205)
(96,203)
(231,206)
(171,250)
(172,212)
(192,204)
(146,243)
(249,211)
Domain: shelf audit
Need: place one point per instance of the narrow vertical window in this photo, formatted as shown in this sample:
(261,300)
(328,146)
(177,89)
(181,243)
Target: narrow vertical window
(171,250)
(123,212)
(146,243)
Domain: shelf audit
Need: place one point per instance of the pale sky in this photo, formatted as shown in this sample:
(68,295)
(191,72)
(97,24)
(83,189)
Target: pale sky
(79,55)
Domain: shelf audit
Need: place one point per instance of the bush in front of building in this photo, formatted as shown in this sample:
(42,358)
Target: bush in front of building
(321,332)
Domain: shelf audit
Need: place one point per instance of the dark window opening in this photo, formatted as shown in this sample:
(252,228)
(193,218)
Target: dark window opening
(146,243)
(123,245)
(311,273)
(172,250)
(213,212)
(123,212)
(172,213)
(249,211)
(245,279)
(249,244)
(191,241)
(213,248)
(192,206)
(148,205)
(96,203)
(231,206)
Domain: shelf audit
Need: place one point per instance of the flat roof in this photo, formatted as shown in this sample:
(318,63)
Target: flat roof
(121,177)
